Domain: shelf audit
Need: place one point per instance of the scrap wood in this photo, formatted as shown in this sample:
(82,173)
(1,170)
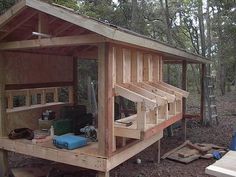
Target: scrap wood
(174,150)
(188,152)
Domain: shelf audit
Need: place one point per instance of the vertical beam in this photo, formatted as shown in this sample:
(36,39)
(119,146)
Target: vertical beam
(202,106)
(119,64)
(105,99)
(156,68)
(75,80)
(126,65)
(3,132)
(184,84)
(141,116)
(134,68)
(43,24)
(160,69)
(184,87)
(139,66)
(103,174)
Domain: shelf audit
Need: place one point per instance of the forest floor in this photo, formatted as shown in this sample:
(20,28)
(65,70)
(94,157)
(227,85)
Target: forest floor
(220,135)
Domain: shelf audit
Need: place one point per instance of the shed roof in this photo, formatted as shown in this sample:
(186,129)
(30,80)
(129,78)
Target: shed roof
(110,32)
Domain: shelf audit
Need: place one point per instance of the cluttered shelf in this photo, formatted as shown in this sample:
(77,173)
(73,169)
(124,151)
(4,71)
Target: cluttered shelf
(87,156)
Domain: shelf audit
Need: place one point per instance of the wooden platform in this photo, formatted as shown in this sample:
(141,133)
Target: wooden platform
(225,167)
(85,157)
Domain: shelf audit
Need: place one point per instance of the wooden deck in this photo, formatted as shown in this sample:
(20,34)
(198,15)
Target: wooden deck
(85,157)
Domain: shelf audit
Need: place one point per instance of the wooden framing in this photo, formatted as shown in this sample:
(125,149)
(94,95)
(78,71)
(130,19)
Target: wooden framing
(105,99)
(53,42)
(3,153)
(129,65)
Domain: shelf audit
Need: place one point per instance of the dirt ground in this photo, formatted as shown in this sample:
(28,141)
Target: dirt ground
(219,135)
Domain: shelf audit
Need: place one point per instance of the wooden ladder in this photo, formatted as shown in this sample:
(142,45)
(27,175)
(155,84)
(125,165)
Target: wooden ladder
(211,109)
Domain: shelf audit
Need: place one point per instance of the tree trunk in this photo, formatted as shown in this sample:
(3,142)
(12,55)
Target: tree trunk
(201,27)
(222,71)
(134,17)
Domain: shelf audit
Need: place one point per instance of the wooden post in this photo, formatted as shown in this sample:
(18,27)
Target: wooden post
(202,108)
(158,151)
(105,99)
(3,153)
(75,80)
(103,174)
(184,87)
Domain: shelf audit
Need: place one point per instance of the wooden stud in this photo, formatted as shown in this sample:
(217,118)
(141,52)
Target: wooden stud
(43,24)
(119,64)
(28,98)
(126,66)
(160,69)
(139,66)
(141,116)
(3,132)
(134,69)
(75,80)
(71,94)
(43,97)
(55,95)
(156,68)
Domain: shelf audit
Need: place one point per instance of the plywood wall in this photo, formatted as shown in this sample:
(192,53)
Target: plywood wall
(28,68)
(136,65)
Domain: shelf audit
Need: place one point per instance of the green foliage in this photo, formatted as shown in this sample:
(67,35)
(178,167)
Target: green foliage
(4,5)
(73,4)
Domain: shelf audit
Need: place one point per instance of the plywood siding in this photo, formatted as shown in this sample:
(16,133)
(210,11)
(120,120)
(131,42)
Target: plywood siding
(27,68)
(135,65)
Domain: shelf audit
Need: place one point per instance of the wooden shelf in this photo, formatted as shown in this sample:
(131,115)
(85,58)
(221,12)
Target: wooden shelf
(132,132)
(25,108)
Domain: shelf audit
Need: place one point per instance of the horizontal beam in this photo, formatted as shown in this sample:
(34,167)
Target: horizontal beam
(160,127)
(47,151)
(37,85)
(53,42)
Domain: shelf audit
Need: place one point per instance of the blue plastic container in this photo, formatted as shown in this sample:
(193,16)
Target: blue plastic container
(69,141)
(232,146)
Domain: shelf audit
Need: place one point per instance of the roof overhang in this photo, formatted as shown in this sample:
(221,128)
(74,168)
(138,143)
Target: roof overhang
(110,32)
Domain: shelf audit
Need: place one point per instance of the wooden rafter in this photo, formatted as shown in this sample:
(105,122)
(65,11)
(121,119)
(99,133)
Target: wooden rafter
(17,24)
(12,12)
(62,28)
(53,42)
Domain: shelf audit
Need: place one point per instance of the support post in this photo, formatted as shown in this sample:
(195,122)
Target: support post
(105,99)
(184,87)
(103,174)
(75,80)
(158,151)
(3,153)
(202,111)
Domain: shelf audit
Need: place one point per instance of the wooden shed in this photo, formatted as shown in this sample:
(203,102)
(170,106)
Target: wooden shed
(40,45)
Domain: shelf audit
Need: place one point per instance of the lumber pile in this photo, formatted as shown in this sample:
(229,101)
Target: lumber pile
(188,152)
